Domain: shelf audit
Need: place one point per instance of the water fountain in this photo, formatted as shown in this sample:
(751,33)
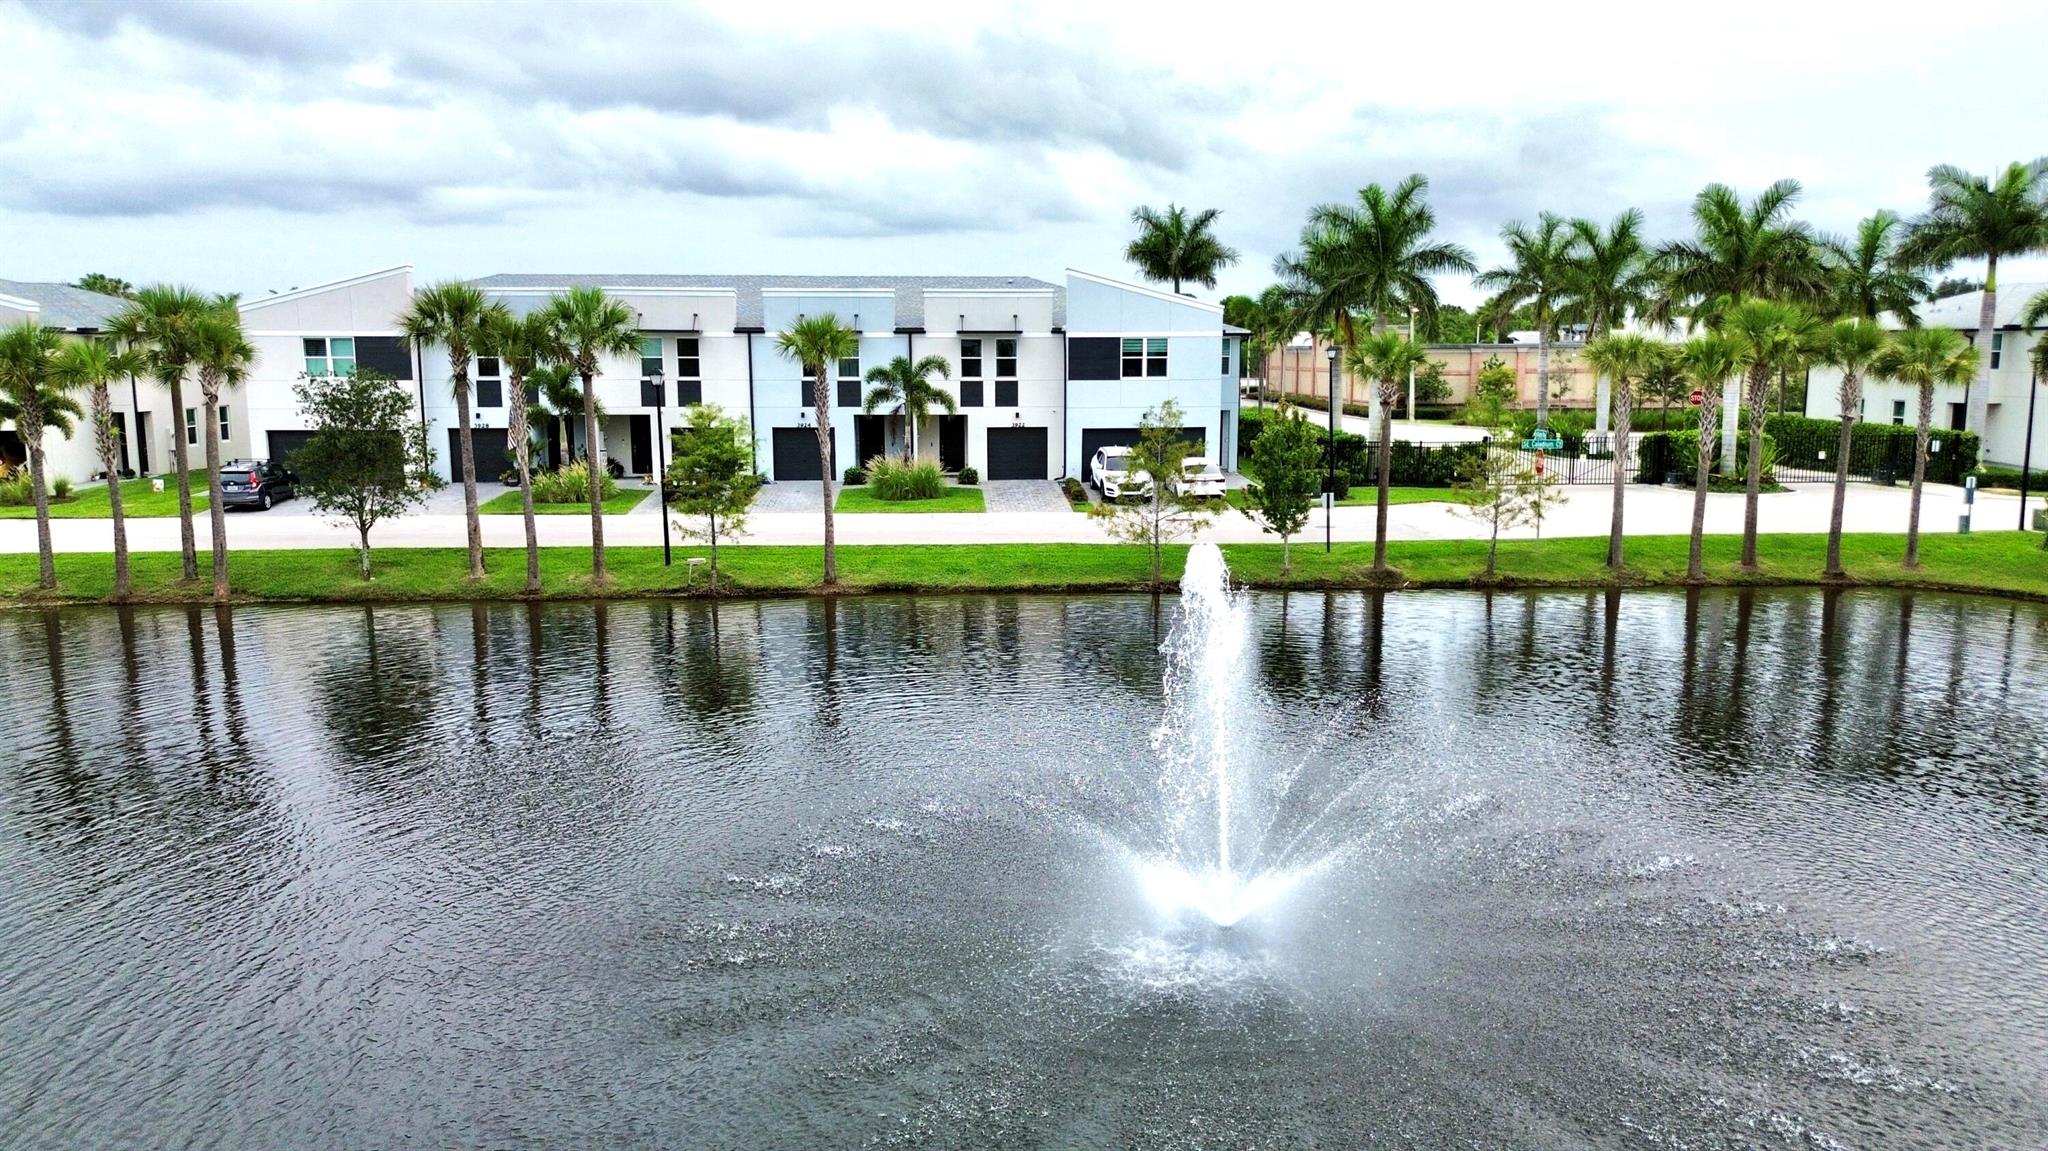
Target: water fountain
(1213,863)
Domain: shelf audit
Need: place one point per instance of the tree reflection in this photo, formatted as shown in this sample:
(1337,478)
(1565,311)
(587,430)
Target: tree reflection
(378,693)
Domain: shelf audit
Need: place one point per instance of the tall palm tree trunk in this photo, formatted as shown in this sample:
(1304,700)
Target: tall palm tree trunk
(597,572)
(822,402)
(31,425)
(1977,410)
(103,436)
(216,512)
(1542,374)
(1703,467)
(1385,461)
(1920,435)
(1849,396)
(1624,417)
(522,456)
(468,449)
(1754,395)
(181,463)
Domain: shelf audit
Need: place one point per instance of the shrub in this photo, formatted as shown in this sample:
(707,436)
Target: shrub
(854,477)
(570,484)
(1989,476)
(1076,494)
(14,487)
(60,488)
(894,480)
(1408,465)
(969,477)
(1801,441)
(1660,453)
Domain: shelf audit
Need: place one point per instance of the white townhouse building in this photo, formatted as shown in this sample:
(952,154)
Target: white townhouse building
(2006,429)
(327,329)
(82,315)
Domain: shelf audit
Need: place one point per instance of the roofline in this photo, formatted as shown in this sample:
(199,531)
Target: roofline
(1048,290)
(665,290)
(344,282)
(19,304)
(1141,289)
(877,293)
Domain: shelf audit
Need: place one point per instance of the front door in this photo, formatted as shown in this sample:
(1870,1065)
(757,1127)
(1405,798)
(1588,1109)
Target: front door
(120,440)
(641,428)
(142,444)
(870,438)
(952,443)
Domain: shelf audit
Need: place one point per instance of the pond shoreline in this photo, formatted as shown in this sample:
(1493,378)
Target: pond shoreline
(2005,564)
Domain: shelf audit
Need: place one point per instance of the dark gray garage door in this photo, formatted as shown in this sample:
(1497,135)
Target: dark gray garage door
(1016,453)
(284,444)
(493,457)
(1093,438)
(796,454)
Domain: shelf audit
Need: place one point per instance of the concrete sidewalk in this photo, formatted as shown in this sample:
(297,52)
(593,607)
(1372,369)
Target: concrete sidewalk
(1651,510)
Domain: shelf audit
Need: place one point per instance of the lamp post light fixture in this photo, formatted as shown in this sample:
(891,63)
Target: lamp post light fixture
(1330,456)
(661,460)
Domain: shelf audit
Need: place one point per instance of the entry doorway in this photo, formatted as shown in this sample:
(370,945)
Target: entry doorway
(870,438)
(641,431)
(952,443)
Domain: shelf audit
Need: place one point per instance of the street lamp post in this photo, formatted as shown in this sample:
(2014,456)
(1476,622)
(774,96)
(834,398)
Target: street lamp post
(1411,367)
(661,459)
(1330,456)
(2027,444)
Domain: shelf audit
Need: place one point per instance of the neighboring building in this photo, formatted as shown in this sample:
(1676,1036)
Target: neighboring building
(1303,368)
(332,328)
(2005,423)
(81,314)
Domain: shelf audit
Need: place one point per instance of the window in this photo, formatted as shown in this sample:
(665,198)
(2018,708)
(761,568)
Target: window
(650,357)
(1997,349)
(849,382)
(1144,356)
(490,389)
(1898,411)
(224,424)
(970,359)
(689,372)
(1006,359)
(1226,355)
(330,356)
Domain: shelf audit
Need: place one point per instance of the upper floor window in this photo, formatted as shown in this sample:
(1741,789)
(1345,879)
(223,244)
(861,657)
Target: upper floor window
(689,371)
(1144,356)
(191,425)
(330,356)
(650,357)
(490,386)
(1006,358)
(1997,348)
(224,424)
(1898,411)
(970,359)
(849,382)
(1226,355)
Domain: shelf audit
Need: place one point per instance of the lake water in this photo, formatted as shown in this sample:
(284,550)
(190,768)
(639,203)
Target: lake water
(1644,870)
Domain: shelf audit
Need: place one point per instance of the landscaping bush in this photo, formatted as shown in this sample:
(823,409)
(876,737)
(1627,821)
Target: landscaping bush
(969,477)
(894,480)
(570,484)
(1408,465)
(1660,453)
(854,477)
(1990,476)
(60,488)
(1076,494)
(1801,440)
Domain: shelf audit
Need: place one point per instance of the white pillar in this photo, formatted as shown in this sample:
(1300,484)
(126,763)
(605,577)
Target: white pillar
(1603,399)
(1731,415)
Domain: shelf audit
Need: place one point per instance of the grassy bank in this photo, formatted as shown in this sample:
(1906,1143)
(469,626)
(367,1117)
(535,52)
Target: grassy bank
(137,500)
(507,504)
(2008,563)
(860,499)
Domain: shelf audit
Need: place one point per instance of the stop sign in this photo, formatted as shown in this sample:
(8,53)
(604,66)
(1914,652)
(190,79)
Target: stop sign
(1697,398)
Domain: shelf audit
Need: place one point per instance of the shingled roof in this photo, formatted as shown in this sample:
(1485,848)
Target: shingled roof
(64,306)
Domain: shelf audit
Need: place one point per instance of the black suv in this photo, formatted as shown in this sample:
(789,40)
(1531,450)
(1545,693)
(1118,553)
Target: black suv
(255,484)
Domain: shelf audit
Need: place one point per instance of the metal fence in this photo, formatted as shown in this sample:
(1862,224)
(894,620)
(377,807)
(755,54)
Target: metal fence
(1652,460)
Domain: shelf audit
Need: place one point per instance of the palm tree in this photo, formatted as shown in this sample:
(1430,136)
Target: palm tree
(1273,331)
(1971,217)
(163,325)
(456,315)
(106,285)
(589,326)
(1177,246)
(223,356)
(1738,252)
(907,387)
(30,398)
(1373,258)
(1867,277)
(1609,276)
(1707,359)
(559,396)
(1769,336)
(1851,346)
(1626,359)
(89,365)
(1386,358)
(1925,358)
(522,345)
(1539,274)
(818,343)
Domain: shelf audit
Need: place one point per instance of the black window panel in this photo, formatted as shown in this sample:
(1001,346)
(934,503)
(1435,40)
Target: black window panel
(970,393)
(849,393)
(487,365)
(1155,367)
(689,392)
(688,367)
(650,394)
(490,393)
(1006,393)
(1092,358)
(1006,359)
(970,359)
(533,393)
(387,354)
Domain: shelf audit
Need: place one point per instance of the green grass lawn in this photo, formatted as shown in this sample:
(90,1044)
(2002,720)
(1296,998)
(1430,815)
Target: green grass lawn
(507,504)
(951,499)
(2004,562)
(1367,497)
(136,500)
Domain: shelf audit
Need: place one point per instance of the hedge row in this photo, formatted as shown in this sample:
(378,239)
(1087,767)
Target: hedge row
(1408,465)
(1658,454)
(1806,443)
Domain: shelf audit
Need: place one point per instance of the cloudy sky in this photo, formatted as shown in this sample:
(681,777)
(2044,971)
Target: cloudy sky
(263,146)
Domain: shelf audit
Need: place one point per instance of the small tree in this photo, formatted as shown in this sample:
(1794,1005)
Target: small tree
(1541,495)
(1493,389)
(712,481)
(367,453)
(1493,488)
(1430,385)
(1161,455)
(1290,453)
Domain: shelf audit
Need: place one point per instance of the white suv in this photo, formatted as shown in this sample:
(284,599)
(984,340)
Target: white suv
(1113,476)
